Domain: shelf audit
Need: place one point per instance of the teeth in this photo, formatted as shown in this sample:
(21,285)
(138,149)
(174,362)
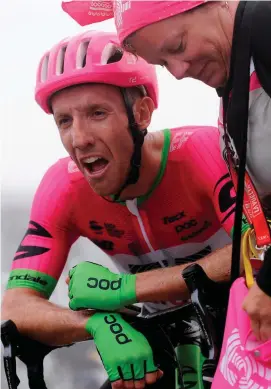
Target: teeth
(91,159)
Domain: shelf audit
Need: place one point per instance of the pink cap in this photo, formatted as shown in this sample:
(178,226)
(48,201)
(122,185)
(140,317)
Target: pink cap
(84,59)
(130,15)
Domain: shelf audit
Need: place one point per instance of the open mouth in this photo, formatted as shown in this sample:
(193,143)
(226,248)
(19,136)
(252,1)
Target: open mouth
(95,165)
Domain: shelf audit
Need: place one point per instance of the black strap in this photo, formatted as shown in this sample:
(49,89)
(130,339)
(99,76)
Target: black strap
(225,92)
(236,113)
(138,140)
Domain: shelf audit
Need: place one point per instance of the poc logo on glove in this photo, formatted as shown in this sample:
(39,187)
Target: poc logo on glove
(116,329)
(103,284)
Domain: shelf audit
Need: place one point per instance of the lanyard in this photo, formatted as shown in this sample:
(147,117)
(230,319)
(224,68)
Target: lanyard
(251,206)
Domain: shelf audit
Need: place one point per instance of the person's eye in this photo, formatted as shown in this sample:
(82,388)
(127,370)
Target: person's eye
(98,114)
(63,122)
(178,49)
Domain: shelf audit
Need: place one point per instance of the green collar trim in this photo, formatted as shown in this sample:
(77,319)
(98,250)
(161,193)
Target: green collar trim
(160,174)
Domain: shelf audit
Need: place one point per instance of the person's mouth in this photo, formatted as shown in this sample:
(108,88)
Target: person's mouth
(95,166)
(208,75)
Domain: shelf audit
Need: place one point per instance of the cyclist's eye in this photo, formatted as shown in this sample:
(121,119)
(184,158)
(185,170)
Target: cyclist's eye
(98,114)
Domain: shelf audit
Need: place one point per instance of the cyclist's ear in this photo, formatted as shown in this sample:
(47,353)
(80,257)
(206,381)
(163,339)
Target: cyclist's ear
(143,109)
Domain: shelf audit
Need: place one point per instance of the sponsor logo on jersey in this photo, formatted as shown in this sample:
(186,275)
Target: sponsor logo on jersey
(113,231)
(174,218)
(25,251)
(110,228)
(195,233)
(179,140)
(27,277)
(224,189)
(96,227)
(106,245)
(185,226)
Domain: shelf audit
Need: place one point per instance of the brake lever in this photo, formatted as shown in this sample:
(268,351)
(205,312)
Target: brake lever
(8,333)
(205,292)
(29,351)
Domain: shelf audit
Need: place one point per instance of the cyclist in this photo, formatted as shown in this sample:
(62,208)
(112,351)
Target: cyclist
(147,200)
(202,39)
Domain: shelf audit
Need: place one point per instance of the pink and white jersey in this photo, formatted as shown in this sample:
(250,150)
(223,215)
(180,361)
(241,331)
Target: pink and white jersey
(259,136)
(187,213)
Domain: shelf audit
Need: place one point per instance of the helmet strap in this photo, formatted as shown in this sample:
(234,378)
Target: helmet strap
(138,140)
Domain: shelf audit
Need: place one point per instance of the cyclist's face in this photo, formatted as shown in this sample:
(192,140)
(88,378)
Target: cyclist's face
(93,127)
(191,44)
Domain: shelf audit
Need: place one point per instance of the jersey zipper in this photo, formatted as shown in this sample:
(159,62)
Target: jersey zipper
(133,209)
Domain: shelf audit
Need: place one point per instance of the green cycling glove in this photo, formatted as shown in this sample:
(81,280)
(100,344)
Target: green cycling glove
(125,352)
(93,286)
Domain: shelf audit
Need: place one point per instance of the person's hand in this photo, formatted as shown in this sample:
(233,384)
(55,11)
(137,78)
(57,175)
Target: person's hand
(257,304)
(93,286)
(126,354)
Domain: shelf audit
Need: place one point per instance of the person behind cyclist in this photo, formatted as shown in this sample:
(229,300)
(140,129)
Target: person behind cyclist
(200,39)
(148,200)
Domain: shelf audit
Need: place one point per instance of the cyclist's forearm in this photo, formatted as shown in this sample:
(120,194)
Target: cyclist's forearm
(42,320)
(167,284)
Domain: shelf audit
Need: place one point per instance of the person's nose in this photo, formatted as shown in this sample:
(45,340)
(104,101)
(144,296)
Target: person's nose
(177,68)
(81,133)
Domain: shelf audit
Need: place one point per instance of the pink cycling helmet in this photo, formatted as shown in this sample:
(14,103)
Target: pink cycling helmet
(84,59)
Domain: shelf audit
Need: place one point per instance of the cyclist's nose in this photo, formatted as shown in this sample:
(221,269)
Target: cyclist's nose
(81,133)
(177,68)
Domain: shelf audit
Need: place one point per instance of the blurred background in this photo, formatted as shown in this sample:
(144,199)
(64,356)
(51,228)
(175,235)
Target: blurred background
(30,144)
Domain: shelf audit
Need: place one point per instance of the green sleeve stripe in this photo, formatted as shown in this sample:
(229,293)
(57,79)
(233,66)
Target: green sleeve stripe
(26,278)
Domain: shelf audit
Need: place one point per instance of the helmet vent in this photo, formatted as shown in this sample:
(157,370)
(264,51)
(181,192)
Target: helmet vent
(44,68)
(81,57)
(111,54)
(60,61)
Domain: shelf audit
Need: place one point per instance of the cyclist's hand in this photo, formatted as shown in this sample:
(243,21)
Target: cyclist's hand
(94,286)
(125,352)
